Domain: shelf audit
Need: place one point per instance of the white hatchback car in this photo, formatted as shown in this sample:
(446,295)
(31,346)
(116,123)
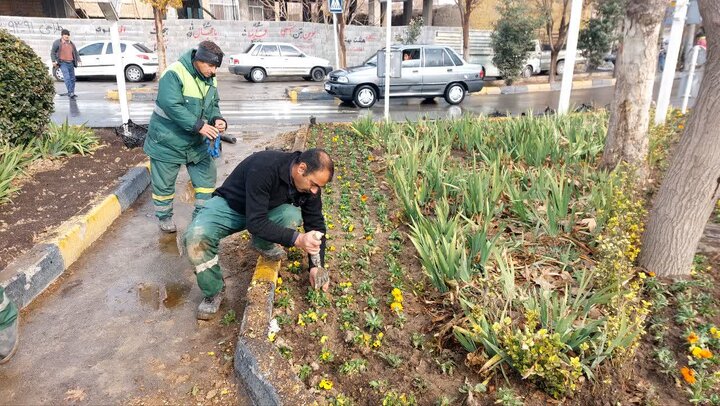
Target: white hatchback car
(261,60)
(97,59)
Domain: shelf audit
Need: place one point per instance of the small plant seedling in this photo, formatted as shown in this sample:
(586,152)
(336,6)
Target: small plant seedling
(417,340)
(228,318)
(373,321)
(393,360)
(305,372)
(447,367)
(353,367)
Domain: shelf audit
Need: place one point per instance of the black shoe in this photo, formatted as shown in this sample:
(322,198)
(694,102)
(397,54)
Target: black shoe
(72,96)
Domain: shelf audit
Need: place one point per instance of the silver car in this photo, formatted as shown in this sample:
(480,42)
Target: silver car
(428,71)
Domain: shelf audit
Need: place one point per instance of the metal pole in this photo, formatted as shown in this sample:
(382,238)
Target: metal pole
(668,74)
(337,51)
(570,54)
(388,22)
(119,72)
(691,74)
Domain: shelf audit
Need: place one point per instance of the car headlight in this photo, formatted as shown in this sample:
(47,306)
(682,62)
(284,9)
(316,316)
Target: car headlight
(342,79)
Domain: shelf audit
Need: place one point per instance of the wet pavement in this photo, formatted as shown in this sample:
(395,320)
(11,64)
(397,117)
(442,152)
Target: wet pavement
(120,323)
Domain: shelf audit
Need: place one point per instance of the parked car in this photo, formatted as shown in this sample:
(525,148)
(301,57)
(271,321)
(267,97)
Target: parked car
(97,59)
(580,60)
(261,60)
(531,64)
(428,71)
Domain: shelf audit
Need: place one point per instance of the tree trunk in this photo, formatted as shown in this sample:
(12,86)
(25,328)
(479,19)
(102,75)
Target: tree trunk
(341,40)
(553,65)
(465,17)
(159,39)
(691,186)
(627,138)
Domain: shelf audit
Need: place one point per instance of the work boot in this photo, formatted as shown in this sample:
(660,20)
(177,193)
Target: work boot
(9,341)
(72,96)
(276,253)
(209,306)
(167,225)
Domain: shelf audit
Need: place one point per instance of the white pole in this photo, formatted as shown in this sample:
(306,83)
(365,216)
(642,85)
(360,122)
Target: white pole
(689,79)
(119,72)
(570,53)
(337,51)
(668,74)
(388,22)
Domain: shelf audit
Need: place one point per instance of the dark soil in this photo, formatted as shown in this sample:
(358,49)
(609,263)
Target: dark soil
(53,191)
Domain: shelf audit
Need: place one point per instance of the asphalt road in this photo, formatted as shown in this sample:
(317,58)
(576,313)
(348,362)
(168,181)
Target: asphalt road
(262,104)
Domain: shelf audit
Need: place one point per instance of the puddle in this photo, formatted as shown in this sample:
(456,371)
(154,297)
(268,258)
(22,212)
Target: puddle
(168,243)
(148,296)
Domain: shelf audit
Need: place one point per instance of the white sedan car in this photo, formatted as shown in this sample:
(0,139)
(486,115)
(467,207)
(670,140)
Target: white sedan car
(97,59)
(261,60)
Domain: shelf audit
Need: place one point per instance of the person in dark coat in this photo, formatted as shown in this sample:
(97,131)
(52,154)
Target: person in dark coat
(65,55)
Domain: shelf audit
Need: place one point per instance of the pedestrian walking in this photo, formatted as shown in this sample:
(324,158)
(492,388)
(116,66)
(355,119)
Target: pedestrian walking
(64,54)
(270,194)
(9,328)
(186,114)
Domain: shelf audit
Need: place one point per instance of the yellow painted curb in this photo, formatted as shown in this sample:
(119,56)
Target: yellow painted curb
(78,234)
(582,84)
(266,271)
(293,96)
(115,95)
(491,90)
(540,87)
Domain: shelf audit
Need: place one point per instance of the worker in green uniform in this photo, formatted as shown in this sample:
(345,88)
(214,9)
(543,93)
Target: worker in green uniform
(8,327)
(186,114)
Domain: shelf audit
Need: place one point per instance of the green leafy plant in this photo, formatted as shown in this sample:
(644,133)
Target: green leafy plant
(66,140)
(373,321)
(512,38)
(305,372)
(228,318)
(412,32)
(393,360)
(353,367)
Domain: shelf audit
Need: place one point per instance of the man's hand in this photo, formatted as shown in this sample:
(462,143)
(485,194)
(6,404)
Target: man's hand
(221,125)
(314,274)
(308,243)
(209,131)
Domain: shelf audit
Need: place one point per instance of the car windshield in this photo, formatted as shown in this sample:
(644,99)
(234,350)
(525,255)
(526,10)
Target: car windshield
(372,61)
(248,48)
(142,48)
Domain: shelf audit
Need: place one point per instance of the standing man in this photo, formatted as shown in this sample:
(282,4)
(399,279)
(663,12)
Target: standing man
(186,114)
(8,327)
(270,194)
(64,54)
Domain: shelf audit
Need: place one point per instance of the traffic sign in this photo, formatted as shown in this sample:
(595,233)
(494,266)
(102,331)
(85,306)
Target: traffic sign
(335,6)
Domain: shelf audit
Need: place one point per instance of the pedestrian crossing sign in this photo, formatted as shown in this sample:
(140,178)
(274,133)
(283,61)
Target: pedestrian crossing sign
(335,6)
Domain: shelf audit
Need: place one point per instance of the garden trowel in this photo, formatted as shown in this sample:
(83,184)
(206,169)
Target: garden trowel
(322,276)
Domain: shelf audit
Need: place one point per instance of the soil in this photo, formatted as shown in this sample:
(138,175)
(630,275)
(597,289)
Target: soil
(54,190)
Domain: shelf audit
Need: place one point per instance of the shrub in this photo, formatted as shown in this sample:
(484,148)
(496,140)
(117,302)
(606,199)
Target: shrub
(26,90)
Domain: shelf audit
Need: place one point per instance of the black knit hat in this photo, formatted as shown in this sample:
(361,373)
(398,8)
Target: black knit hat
(204,54)
(65,31)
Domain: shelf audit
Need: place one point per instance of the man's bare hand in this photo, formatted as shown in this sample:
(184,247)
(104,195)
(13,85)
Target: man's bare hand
(209,132)
(308,243)
(314,276)
(221,125)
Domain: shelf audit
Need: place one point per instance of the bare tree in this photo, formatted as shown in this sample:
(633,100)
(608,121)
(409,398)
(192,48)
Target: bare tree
(466,9)
(160,7)
(546,8)
(627,138)
(691,186)
(348,17)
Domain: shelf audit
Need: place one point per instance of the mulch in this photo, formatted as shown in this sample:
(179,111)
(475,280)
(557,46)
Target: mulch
(53,191)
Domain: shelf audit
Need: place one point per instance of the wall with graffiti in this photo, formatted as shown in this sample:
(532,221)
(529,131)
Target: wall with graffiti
(180,35)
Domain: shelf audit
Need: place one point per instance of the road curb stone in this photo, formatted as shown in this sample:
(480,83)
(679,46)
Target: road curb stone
(31,273)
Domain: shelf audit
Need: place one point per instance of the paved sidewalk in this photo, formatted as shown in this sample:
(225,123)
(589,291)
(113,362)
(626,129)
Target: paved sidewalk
(120,323)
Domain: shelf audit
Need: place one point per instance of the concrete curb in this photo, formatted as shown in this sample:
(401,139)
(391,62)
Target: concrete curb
(30,274)
(317,93)
(267,376)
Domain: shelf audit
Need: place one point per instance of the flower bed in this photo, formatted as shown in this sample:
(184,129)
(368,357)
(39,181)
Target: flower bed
(468,256)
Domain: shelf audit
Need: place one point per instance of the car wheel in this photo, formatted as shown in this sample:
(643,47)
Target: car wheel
(365,97)
(307,78)
(247,77)
(317,74)
(455,93)
(150,77)
(560,67)
(347,102)
(57,73)
(527,72)
(257,75)
(134,73)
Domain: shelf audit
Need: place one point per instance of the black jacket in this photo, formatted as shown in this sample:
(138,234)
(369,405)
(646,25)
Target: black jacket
(262,182)
(55,52)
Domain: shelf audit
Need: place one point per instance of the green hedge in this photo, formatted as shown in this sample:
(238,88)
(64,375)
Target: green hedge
(26,91)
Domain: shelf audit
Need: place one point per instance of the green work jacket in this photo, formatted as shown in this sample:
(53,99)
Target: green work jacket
(185,102)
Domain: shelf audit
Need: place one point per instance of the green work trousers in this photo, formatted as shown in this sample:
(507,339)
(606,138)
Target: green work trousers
(164,175)
(213,223)
(8,310)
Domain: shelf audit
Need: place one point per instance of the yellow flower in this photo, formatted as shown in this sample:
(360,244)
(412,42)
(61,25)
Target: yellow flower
(397,294)
(363,198)
(335,139)
(271,337)
(380,335)
(301,321)
(701,353)
(507,321)
(351,227)
(688,374)
(715,332)
(652,274)
(211,353)
(396,306)
(323,339)
(279,281)
(692,338)
(642,275)
(325,384)
(332,248)
(312,316)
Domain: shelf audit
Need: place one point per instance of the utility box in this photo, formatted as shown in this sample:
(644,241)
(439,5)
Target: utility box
(395,63)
